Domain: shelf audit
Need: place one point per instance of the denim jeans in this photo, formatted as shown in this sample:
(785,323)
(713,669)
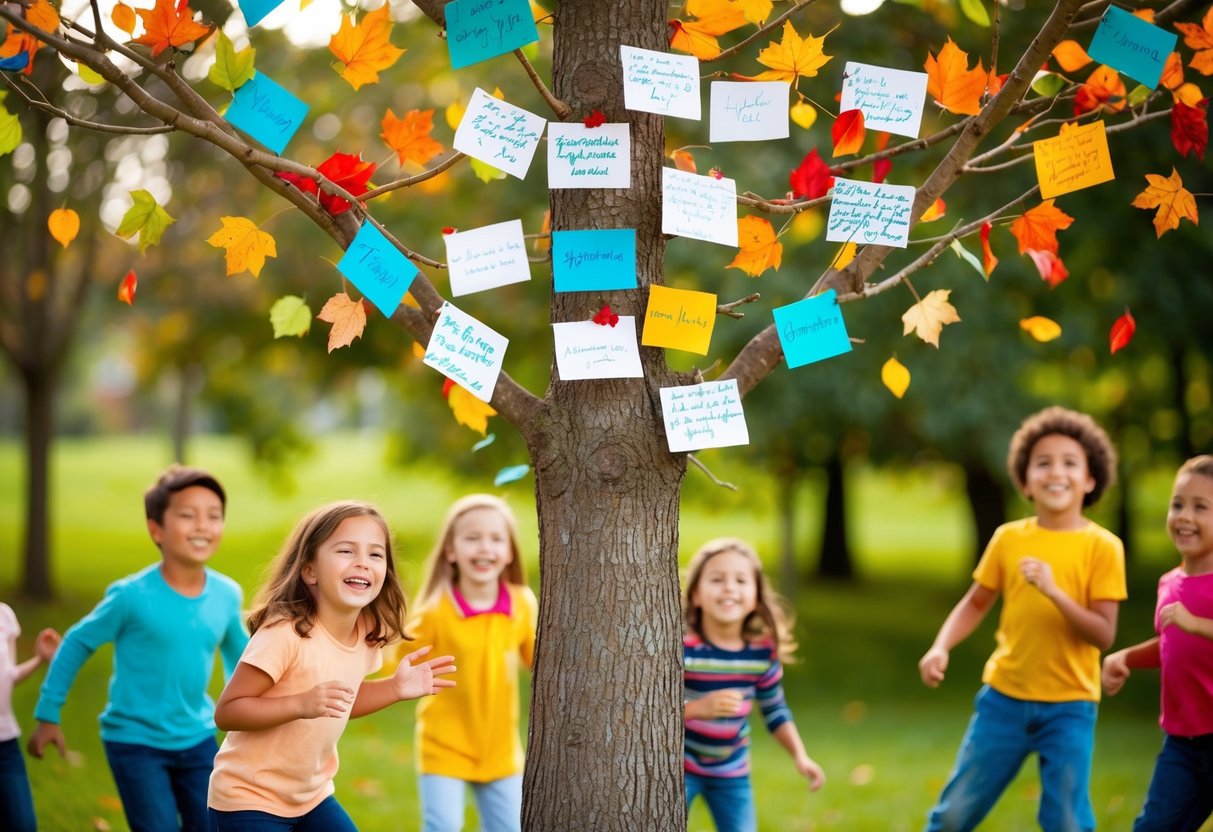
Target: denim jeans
(730,800)
(16,800)
(163,791)
(1181,791)
(1001,734)
(498,802)
(327,817)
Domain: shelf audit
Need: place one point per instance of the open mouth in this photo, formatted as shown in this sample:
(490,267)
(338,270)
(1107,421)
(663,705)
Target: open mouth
(358,583)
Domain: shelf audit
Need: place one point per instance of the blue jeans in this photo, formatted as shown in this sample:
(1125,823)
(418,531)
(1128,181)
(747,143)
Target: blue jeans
(498,802)
(163,790)
(730,800)
(327,817)
(1181,792)
(16,800)
(1001,734)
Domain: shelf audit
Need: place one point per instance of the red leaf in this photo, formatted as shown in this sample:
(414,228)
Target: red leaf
(848,132)
(988,260)
(449,229)
(447,384)
(605,316)
(881,169)
(126,289)
(308,186)
(1052,270)
(812,179)
(716,173)
(1122,331)
(348,171)
(595,119)
(1190,127)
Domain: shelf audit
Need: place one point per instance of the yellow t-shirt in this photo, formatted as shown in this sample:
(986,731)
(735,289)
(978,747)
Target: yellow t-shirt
(1039,655)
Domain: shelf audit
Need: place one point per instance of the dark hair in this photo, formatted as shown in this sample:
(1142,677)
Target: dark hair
(1060,421)
(177,478)
(1202,465)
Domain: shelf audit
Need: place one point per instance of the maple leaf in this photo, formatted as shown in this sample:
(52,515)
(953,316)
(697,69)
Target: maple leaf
(755,11)
(343,169)
(469,410)
(1052,270)
(365,49)
(952,84)
(793,57)
(812,178)
(1173,201)
(927,318)
(410,136)
(988,260)
(64,225)
(759,248)
(1070,56)
(145,216)
(881,169)
(126,289)
(848,132)
(1102,89)
(169,24)
(247,245)
(712,19)
(1199,37)
(1190,128)
(594,119)
(1122,332)
(348,318)
(1042,329)
(895,376)
(290,315)
(605,317)
(1037,228)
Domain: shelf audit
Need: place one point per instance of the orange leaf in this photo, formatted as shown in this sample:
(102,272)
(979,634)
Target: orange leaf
(469,410)
(848,132)
(988,260)
(169,24)
(1202,62)
(952,84)
(64,225)
(938,209)
(126,289)
(43,15)
(683,160)
(1102,89)
(760,249)
(410,136)
(1173,201)
(1173,72)
(1070,56)
(1198,36)
(793,57)
(928,317)
(1122,332)
(348,318)
(365,49)
(712,19)
(1037,228)
(124,18)
(16,42)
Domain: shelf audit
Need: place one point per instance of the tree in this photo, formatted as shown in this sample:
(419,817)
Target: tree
(605,732)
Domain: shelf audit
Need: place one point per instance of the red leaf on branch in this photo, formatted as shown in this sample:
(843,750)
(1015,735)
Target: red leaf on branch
(595,118)
(988,260)
(1052,269)
(848,132)
(1122,331)
(812,178)
(1190,127)
(605,317)
(343,169)
(126,289)
(881,169)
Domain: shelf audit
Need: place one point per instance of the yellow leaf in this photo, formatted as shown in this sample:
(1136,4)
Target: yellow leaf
(845,255)
(792,57)
(712,19)
(1042,329)
(454,114)
(952,84)
(418,350)
(804,114)
(927,318)
(755,11)
(469,410)
(411,301)
(64,225)
(1173,201)
(760,249)
(247,245)
(365,49)
(410,136)
(896,377)
(1189,94)
(348,318)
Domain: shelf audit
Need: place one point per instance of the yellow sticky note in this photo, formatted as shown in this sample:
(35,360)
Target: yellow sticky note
(679,319)
(1077,158)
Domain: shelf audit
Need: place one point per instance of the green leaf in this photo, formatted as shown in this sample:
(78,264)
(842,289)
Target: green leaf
(1139,95)
(290,315)
(970,258)
(1047,84)
(146,217)
(89,75)
(976,12)
(511,474)
(486,172)
(10,131)
(231,69)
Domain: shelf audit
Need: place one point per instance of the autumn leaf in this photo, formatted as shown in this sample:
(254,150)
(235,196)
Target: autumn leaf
(343,169)
(1189,94)
(1037,228)
(881,169)
(543,240)
(938,209)
(684,160)
(1199,37)
(64,225)
(169,24)
(410,136)
(1103,88)
(1070,56)
(1042,329)
(755,11)
(146,217)
(712,19)
(803,114)
(927,318)
(895,376)
(231,69)
(988,260)
(793,57)
(952,84)
(10,130)
(848,132)
(1052,270)
(1173,201)
(1172,72)
(1122,332)
(16,46)
(348,318)
(759,248)
(594,119)
(290,315)
(469,410)
(43,15)
(812,178)
(123,17)
(247,245)
(1190,128)
(605,317)
(126,289)
(846,253)
(365,49)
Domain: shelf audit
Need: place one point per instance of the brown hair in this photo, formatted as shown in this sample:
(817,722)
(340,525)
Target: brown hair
(441,573)
(772,617)
(285,595)
(1060,421)
(1202,465)
(177,478)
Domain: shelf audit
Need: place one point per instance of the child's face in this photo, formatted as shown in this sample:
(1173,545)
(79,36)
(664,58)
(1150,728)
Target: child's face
(1057,479)
(1190,517)
(349,568)
(480,548)
(727,591)
(192,526)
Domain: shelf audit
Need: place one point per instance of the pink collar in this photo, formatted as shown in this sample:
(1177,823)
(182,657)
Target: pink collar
(502,604)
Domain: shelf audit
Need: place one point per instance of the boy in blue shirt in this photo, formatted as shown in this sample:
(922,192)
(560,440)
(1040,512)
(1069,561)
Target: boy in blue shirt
(165,621)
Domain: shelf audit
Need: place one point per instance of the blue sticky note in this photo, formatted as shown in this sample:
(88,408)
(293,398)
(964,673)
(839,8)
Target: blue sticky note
(477,30)
(255,10)
(267,112)
(377,268)
(1130,45)
(587,261)
(812,329)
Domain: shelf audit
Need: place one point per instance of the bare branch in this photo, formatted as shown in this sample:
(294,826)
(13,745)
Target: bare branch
(46,107)
(729,308)
(561,109)
(695,460)
(408,182)
(763,31)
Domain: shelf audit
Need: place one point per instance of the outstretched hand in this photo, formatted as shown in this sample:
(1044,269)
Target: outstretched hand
(47,733)
(413,681)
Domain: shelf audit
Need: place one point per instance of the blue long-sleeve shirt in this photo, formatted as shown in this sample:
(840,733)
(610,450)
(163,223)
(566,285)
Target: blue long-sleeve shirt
(164,653)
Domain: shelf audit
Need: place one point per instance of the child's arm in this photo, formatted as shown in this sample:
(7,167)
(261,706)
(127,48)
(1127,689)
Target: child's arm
(410,681)
(959,625)
(1116,666)
(1176,613)
(1095,624)
(45,645)
(789,738)
(243,705)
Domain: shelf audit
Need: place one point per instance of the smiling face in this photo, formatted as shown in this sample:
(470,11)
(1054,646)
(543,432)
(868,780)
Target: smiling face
(349,568)
(480,549)
(726,594)
(1190,521)
(1057,479)
(192,527)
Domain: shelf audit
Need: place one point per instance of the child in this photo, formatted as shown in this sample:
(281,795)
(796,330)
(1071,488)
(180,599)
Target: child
(1181,792)
(16,801)
(475,603)
(1061,578)
(738,635)
(165,621)
(331,602)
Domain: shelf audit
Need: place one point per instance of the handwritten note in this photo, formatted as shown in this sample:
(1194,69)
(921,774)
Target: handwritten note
(499,134)
(1129,44)
(585,157)
(680,319)
(255,10)
(700,207)
(267,112)
(586,350)
(377,268)
(658,82)
(599,260)
(870,214)
(890,99)
(748,112)
(812,329)
(707,415)
(477,30)
(466,351)
(1077,158)
(486,257)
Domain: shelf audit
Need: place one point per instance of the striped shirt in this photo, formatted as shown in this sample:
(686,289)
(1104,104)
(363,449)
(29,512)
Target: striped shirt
(721,747)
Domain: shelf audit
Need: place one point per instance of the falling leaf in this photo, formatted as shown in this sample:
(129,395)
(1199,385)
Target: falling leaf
(64,225)
(1037,228)
(169,24)
(845,255)
(848,132)
(410,136)
(146,217)
(290,315)
(967,256)
(1052,270)
(927,318)
(247,245)
(365,49)
(881,169)
(1042,329)
(1173,201)
(756,11)
(124,18)
(126,289)
(1070,56)
(793,57)
(759,248)
(1122,332)
(803,114)
(1103,88)
(1199,37)
(348,318)
(511,474)
(712,19)
(684,161)
(1190,128)
(952,84)
(812,178)
(594,119)
(896,377)
(605,317)
(469,410)
(988,260)
(938,209)
(231,69)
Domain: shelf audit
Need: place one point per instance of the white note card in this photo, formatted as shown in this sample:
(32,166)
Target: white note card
(700,207)
(748,112)
(891,100)
(466,351)
(499,134)
(586,350)
(870,214)
(707,415)
(486,257)
(589,157)
(658,82)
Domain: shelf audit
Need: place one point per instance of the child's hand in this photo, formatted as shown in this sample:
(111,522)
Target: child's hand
(809,769)
(1115,672)
(932,666)
(47,643)
(328,699)
(47,733)
(414,681)
(718,704)
(1039,574)
(1176,613)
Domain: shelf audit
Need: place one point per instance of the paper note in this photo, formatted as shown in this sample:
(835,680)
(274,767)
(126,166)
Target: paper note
(499,134)
(700,207)
(707,415)
(589,157)
(680,319)
(585,349)
(1077,158)
(1130,45)
(377,268)
(486,257)
(255,10)
(890,99)
(600,260)
(658,82)
(466,351)
(748,112)
(477,30)
(267,112)
(870,214)
(812,329)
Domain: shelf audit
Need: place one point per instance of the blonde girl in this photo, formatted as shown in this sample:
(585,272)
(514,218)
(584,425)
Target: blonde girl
(474,604)
(318,626)
(738,637)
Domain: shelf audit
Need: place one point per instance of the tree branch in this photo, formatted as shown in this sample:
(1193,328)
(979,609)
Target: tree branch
(729,308)
(438,169)
(695,460)
(560,108)
(763,30)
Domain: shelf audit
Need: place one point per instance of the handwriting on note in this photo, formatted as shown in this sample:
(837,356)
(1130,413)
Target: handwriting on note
(680,319)
(379,270)
(267,112)
(870,214)
(499,134)
(477,30)
(700,207)
(812,329)
(486,257)
(658,82)
(890,99)
(594,260)
(707,415)
(466,351)
(748,112)
(586,350)
(1131,45)
(589,157)
(1077,158)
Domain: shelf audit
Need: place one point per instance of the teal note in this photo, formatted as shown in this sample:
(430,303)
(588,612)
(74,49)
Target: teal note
(267,112)
(477,30)
(255,10)
(812,329)
(1130,45)
(377,268)
(589,261)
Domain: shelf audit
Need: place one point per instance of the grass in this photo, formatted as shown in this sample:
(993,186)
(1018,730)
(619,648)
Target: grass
(885,741)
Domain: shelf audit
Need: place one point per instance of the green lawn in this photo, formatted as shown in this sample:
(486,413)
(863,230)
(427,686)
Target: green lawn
(885,741)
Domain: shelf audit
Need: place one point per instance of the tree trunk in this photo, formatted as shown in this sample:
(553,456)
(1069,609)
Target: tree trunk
(835,561)
(786,480)
(987,503)
(183,411)
(39,429)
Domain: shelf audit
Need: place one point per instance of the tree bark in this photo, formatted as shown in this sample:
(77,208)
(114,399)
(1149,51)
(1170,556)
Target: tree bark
(835,561)
(987,504)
